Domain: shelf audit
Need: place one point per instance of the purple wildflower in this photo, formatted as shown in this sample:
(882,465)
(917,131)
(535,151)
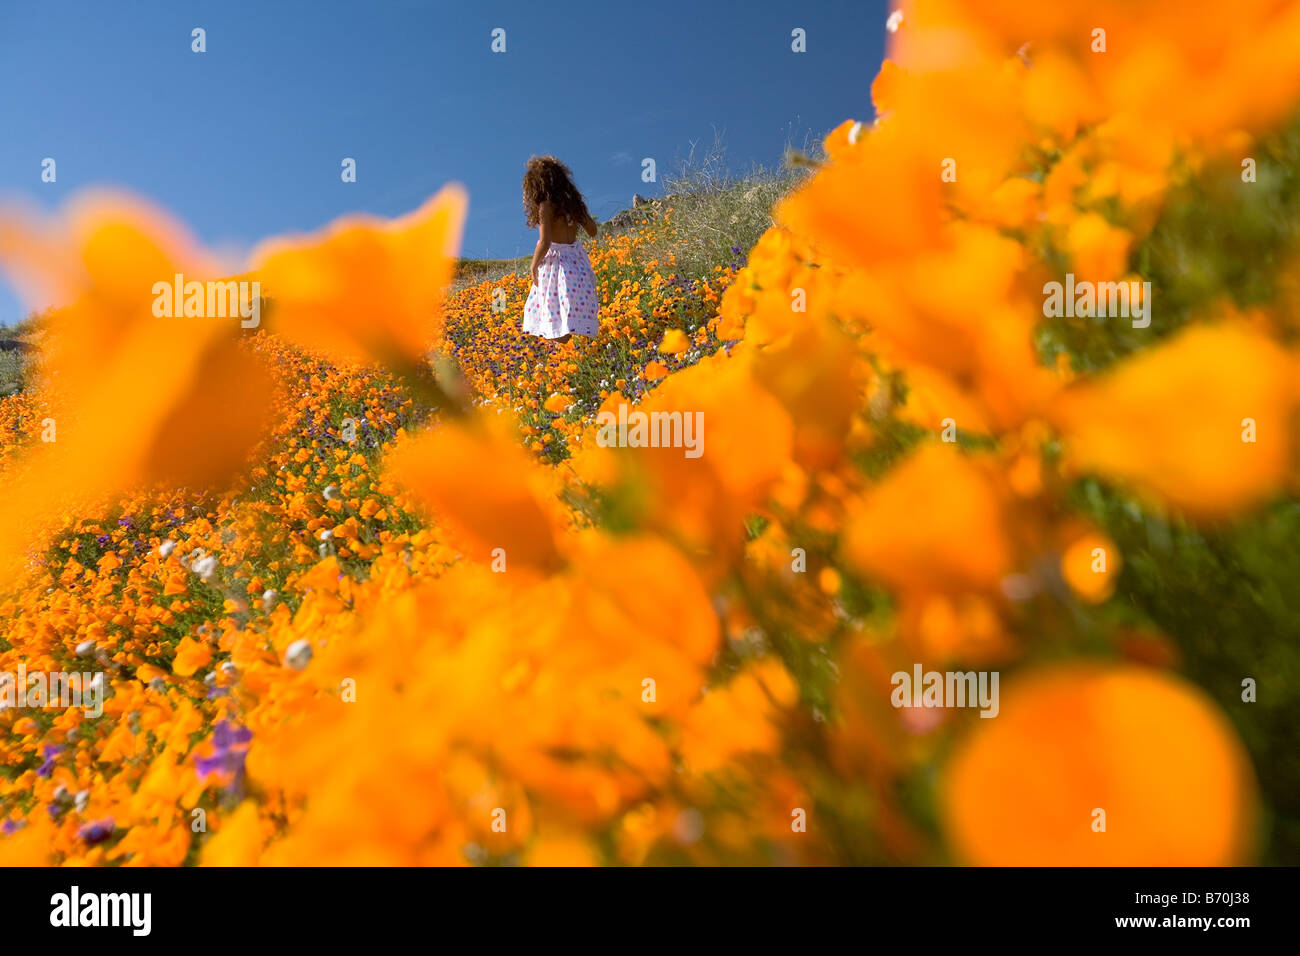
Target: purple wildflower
(51,751)
(97,831)
(229,748)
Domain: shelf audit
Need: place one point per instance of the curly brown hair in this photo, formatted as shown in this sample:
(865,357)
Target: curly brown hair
(546,178)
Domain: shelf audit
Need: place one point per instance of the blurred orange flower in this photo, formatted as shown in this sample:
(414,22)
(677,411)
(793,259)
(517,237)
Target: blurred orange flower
(150,398)
(484,490)
(1101,766)
(1230,441)
(934,521)
(365,290)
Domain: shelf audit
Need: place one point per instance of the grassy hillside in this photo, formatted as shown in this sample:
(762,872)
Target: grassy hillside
(473,271)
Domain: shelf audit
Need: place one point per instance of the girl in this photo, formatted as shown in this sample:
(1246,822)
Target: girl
(563,298)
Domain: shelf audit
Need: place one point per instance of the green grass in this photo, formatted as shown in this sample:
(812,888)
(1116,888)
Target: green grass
(13,365)
(14,362)
(718,216)
(473,271)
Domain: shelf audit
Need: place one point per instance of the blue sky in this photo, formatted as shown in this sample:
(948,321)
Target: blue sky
(245,140)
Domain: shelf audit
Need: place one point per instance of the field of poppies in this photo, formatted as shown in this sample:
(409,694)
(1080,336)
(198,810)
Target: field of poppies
(365,585)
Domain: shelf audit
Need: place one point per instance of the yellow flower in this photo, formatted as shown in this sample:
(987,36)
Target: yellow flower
(482,488)
(366,290)
(1101,766)
(195,398)
(1202,421)
(674,342)
(1100,250)
(557,403)
(1090,566)
(935,520)
(238,841)
(190,656)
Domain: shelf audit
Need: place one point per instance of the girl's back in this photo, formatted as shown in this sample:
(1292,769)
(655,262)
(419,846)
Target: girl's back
(563,229)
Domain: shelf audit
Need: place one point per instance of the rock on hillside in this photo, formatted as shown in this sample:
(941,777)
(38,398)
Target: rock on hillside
(641,207)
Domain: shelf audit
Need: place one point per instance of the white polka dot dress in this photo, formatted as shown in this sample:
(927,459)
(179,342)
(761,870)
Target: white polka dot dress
(564,299)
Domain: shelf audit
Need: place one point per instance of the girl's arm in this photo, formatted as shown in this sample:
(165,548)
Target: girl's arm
(544,211)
